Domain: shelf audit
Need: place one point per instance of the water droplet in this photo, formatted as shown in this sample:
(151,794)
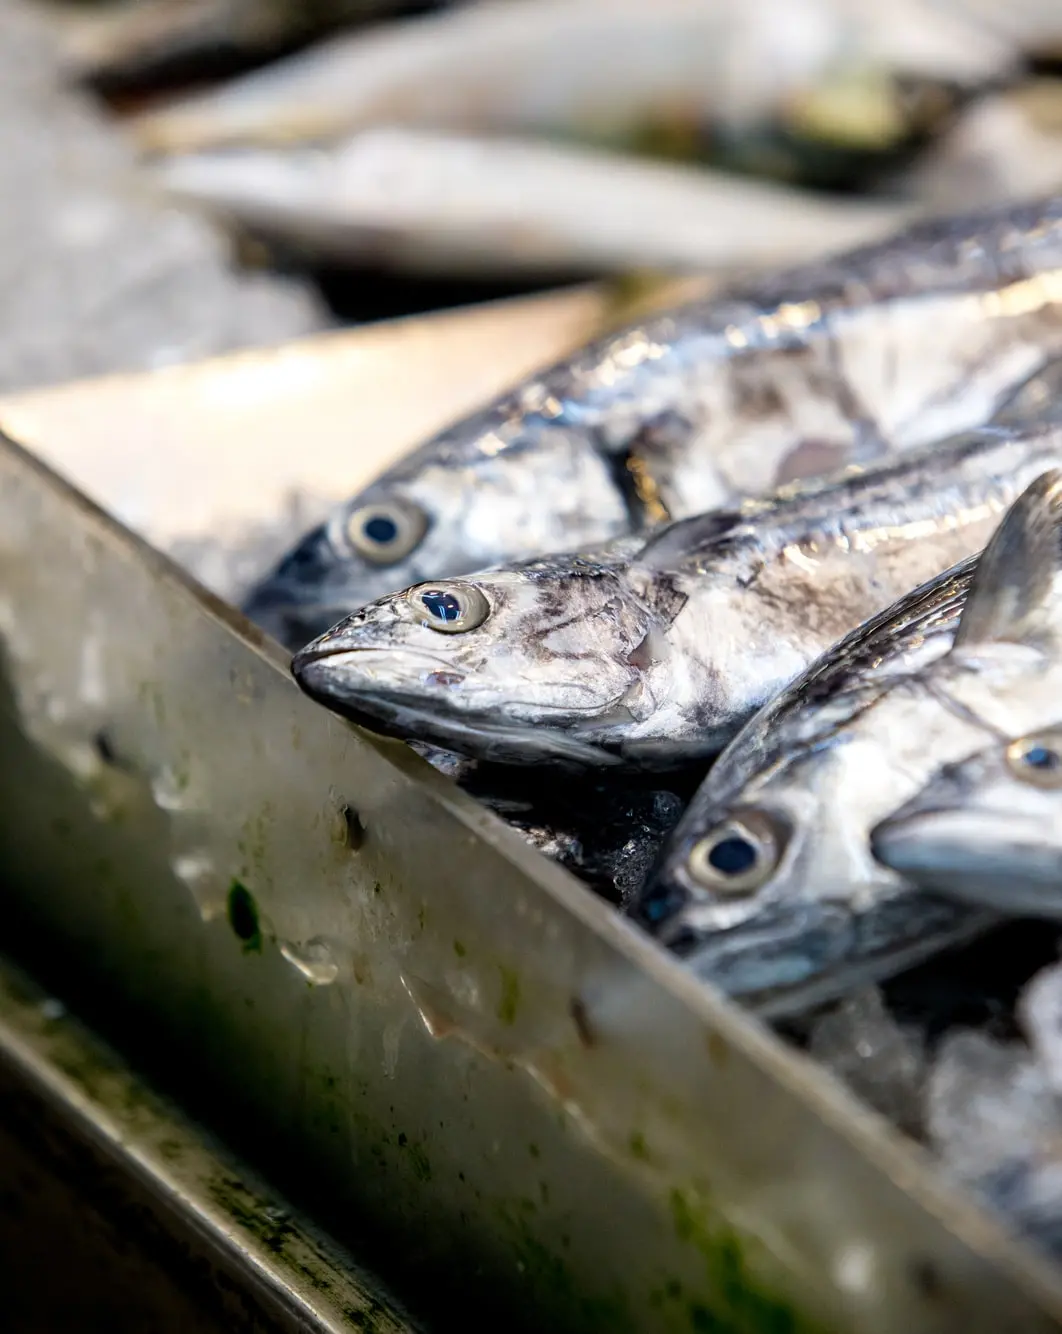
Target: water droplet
(197,872)
(347,828)
(464,989)
(170,790)
(313,960)
(81,759)
(51,1008)
(92,681)
(392,1036)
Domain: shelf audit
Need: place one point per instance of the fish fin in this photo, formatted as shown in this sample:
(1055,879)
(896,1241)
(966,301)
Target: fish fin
(684,539)
(1016,594)
(1036,401)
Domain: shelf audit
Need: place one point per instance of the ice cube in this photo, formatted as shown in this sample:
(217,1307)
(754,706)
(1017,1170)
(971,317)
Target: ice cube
(1040,1015)
(882,1062)
(984,1100)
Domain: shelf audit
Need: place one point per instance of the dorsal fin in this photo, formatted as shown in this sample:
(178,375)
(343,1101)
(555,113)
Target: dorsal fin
(679,541)
(1035,402)
(1016,594)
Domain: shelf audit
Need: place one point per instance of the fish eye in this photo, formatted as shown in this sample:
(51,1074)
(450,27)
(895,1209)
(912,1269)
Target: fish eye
(1037,760)
(450,608)
(387,532)
(738,856)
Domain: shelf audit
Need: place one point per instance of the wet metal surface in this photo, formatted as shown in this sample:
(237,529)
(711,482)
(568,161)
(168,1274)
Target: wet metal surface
(158,1227)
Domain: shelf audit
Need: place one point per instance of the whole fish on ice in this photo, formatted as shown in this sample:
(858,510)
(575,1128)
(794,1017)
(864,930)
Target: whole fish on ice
(650,655)
(840,361)
(768,887)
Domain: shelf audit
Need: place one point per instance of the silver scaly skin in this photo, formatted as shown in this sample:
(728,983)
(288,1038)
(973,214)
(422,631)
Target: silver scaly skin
(847,360)
(651,656)
(768,887)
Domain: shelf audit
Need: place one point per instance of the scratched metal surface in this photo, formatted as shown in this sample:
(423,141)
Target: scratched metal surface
(440,1044)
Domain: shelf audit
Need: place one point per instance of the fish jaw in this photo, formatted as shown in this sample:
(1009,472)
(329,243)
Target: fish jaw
(305,595)
(980,835)
(790,958)
(404,716)
(455,506)
(985,857)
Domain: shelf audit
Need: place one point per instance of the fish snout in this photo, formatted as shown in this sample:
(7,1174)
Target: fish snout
(982,857)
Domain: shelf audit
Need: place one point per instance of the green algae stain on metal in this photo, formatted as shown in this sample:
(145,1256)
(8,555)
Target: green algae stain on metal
(638,1147)
(151,696)
(737,1303)
(290,1248)
(254,843)
(243,917)
(510,996)
(544,1271)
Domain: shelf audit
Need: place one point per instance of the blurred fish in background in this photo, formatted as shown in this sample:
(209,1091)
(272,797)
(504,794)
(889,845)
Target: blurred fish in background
(513,139)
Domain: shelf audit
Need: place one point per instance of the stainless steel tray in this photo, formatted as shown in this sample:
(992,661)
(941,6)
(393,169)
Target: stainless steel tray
(441,1044)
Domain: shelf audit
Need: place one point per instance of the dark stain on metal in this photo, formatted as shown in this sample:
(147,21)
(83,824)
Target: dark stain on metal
(354,829)
(243,917)
(581,1019)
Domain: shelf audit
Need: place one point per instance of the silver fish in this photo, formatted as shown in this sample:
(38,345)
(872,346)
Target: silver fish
(136,44)
(651,656)
(583,69)
(987,830)
(1036,401)
(881,349)
(423,201)
(768,887)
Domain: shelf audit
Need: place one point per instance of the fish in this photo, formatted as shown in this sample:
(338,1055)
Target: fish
(607,73)
(1034,25)
(768,888)
(987,830)
(789,376)
(650,655)
(1007,146)
(608,834)
(428,202)
(145,44)
(1036,401)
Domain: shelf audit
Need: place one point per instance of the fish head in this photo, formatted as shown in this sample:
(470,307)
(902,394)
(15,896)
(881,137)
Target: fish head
(768,888)
(362,550)
(759,888)
(984,830)
(514,665)
(987,829)
(437,514)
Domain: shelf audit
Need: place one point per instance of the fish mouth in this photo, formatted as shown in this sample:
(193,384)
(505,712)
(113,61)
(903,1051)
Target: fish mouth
(789,957)
(399,714)
(985,857)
